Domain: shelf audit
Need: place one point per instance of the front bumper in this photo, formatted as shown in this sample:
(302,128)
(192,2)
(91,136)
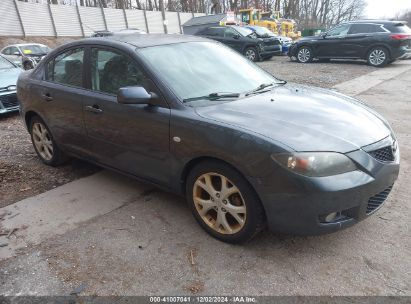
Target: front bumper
(8,102)
(299,203)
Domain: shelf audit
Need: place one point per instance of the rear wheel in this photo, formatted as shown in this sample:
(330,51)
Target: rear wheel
(223,202)
(44,144)
(251,54)
(304,55)
(378,57)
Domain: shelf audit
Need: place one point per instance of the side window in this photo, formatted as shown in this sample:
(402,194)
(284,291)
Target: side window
(229,33)
(6,51)
(67,68)
(111,71)
(14,50)
(365,29)
(340,30)
(216,31)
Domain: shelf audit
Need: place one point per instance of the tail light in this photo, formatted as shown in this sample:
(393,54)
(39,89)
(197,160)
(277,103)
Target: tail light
(400,36)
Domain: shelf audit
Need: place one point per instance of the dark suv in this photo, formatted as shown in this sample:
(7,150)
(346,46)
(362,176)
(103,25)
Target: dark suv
(378,42)
(244,41)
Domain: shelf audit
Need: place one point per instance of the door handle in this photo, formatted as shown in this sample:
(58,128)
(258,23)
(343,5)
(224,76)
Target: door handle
(94,109)
(47,97)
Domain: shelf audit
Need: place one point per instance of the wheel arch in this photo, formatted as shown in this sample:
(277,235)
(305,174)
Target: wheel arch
(28,116)
(377,45)
(199,159)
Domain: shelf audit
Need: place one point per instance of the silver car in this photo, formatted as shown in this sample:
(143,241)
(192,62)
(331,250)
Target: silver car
(26,55)
(9,73)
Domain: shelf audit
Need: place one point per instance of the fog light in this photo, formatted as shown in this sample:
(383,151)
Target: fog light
(328,218)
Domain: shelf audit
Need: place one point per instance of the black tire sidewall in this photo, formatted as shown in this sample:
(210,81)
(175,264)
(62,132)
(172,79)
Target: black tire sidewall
(387,57)
(255,218)
(257,56)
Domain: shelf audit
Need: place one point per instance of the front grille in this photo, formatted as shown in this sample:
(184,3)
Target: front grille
(383,154)
(9,101)
(376,201)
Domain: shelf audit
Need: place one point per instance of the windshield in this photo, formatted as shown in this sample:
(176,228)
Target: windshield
(243,30)
(263,31)
(5,64)
(34,49)
(196,69)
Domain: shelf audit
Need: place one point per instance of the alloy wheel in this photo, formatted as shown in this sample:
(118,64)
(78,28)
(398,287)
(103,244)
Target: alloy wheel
(219,203)
(250,54)
(304,55)
(42,141)
(377,57)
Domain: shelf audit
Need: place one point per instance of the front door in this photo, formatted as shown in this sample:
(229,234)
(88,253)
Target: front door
(132,138)
(333,44)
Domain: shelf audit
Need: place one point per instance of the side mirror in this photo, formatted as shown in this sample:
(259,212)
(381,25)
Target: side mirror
(324,35)
(236,36)
(16,54)
(134,95)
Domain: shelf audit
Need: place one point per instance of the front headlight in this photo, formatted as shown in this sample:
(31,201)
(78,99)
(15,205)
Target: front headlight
(316,164)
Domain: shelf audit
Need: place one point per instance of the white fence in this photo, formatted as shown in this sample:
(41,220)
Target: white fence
(19,18)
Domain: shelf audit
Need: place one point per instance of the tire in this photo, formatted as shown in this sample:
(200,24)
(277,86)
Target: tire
(28,65)
(251,54)
(378,57)
(44,144)
(239,212)
(304,54)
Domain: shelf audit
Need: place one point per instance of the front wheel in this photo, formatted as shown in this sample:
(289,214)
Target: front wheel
(304,55)
(44,144)
(251,54)
(223,202)
(378,57)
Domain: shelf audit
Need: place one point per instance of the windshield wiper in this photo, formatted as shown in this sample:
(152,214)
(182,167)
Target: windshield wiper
(262,86)
(213,96)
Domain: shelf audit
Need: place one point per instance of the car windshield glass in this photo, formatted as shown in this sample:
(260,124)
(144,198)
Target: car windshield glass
(34,49)
(243,30)
(196,69)
(5,64)
(263,31)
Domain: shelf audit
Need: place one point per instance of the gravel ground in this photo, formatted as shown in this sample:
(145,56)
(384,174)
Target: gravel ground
(23,175)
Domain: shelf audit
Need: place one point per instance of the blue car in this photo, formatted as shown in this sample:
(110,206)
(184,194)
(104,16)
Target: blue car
(9,72)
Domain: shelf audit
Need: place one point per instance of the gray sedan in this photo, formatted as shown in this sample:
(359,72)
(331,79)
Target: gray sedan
(196,118)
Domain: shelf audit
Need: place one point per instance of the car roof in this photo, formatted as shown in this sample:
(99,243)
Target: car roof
(141,41)
(25,44)
(377,21)
(136,40)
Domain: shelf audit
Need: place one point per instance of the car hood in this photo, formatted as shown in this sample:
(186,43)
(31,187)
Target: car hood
(304,118)
(9,77)
(310,38)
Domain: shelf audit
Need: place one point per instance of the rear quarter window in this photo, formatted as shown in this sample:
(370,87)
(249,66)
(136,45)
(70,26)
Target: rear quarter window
(399,28)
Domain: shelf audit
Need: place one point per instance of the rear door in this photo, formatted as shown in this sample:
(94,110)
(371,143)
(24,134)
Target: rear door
(59,98)
(360,37)
(131,137)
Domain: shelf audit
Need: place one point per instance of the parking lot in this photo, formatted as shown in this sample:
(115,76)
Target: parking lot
(110,235)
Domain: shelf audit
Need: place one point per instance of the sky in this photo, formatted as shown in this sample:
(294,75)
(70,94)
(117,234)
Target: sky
(386,8)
